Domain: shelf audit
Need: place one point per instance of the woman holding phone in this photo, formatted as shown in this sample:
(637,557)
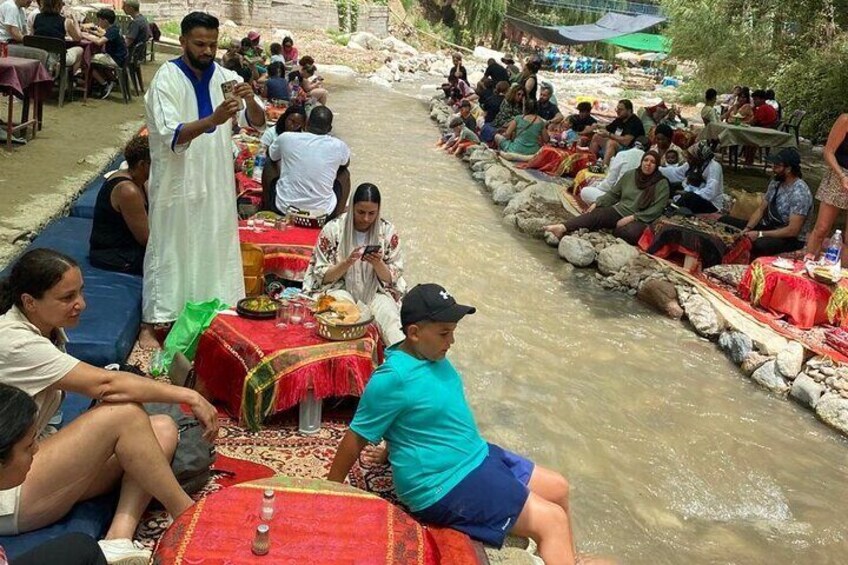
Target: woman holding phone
(358,258)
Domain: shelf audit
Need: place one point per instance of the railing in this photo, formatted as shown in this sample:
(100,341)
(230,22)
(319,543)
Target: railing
(604,6)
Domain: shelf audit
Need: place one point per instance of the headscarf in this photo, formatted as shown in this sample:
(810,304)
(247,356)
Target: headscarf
(360,280)
(648,183)
(702,155)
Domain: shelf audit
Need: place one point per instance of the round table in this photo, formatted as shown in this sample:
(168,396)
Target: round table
(315,521)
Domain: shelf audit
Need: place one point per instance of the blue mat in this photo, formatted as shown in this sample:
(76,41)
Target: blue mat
(84,205)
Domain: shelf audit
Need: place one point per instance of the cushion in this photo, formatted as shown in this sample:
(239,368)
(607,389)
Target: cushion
(83,207)
(109,325)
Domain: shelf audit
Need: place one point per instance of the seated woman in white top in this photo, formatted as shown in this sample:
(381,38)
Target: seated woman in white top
(702,180)
(623,162)
(115,445)
(341,267)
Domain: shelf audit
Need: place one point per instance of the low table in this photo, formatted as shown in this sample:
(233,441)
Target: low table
(257,369)
(24,79)
(287,252)
(703,243)
(315,521)
(804,301)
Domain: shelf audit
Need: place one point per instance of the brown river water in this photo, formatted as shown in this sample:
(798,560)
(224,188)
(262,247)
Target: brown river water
(672,454)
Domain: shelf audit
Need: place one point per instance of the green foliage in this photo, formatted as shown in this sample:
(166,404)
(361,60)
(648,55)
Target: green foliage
(348,11)
(817,82)
(171,29)
(339,37)
(482,19)
(796,47)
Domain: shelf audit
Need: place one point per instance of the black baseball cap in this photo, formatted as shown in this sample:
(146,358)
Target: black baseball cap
(788,156)
(433,303)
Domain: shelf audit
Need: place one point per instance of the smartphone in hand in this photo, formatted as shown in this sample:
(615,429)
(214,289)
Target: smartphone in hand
(229,90)
(371,250)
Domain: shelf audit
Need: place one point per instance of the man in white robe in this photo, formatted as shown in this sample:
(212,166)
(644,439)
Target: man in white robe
(193,252)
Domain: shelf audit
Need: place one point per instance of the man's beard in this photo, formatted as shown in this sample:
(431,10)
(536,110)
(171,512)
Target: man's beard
(199,64)
(780,177)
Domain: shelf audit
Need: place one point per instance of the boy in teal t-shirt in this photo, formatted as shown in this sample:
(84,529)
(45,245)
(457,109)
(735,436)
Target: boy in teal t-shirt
(444,471)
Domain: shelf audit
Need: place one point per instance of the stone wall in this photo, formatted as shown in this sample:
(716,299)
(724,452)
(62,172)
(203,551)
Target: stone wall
(285,14)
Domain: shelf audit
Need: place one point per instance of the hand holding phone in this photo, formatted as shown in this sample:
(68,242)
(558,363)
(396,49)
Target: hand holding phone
(371,250)
(229,90)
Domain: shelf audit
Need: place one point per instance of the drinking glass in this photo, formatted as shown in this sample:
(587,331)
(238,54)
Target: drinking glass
(296,313)
(283,314)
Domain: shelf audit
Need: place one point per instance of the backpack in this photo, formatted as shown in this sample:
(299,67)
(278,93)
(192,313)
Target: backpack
(194,456)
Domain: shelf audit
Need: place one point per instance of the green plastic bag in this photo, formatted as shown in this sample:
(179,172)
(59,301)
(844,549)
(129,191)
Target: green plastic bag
(184,336)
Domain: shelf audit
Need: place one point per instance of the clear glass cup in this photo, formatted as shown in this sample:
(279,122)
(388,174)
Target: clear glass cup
(297,313)
(283,314)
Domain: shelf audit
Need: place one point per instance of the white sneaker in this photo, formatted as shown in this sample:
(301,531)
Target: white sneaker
(123,552)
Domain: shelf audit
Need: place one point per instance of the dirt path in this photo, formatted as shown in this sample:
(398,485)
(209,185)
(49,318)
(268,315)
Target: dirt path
(39,179)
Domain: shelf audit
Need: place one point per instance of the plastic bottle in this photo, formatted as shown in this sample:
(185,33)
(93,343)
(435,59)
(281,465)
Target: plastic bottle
(833,252)
(267,511)
(258,165)
(310,414)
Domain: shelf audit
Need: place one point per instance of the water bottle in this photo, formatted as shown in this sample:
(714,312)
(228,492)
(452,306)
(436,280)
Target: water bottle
(258,165)
(834,249)
(310,414)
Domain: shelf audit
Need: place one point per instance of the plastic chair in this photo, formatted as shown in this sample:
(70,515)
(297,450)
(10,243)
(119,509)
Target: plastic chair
(58,48)
(134,62)
(794,124)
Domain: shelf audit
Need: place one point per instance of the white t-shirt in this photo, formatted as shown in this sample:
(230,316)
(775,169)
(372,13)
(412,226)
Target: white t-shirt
(32,363)
(308,167)
(267,139)
(11,15)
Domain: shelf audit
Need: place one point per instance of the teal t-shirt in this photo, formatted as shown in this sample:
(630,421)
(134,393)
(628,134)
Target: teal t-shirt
(419,407)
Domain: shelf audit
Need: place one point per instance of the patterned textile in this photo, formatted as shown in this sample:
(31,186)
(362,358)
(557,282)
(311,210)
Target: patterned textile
(287,252)
(586,178)
(316,521)
(257,369)
(547,160)
(792,200)
(804,301)
(831,191)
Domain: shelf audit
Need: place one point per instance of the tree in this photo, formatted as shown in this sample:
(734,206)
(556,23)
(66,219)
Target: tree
(482,18)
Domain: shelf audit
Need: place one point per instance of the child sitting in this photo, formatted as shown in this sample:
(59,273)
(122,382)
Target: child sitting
(444,471)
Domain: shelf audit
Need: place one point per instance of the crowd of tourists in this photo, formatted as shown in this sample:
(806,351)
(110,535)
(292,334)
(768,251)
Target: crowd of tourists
(170,216)
(647,174)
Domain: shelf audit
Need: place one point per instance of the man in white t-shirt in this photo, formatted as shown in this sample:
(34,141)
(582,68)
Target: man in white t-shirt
(13,20)
(313,167)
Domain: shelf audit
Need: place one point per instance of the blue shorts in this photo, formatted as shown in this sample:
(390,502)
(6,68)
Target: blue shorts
(486,503)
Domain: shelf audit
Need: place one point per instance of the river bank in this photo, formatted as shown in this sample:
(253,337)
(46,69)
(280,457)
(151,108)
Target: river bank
(782,366)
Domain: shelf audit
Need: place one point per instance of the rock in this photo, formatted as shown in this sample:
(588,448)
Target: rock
(833,410)
(768,377)
(380,81)
(367,40)
(806,391)
(551,240)
(613,258)
(753,362)
(395,45)
(229,23)
(706,321)
(662,296)
(502,192)
(480,176)
(497,173)
(531,226)
(736,344)
(790,360)
(576,251)
(356,46)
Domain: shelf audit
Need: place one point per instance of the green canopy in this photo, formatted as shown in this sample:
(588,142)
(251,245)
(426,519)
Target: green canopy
(642,42)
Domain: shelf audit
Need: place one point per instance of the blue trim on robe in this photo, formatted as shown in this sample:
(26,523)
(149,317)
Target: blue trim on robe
(176,137)
(201,90)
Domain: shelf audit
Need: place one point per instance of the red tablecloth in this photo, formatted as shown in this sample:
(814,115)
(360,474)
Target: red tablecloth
(21,76)
(257,369)
(804,301)
(314,521)
(287,252)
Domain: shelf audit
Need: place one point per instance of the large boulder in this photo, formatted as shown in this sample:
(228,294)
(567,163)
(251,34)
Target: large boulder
(767,376)
(497,174)
(790,360)
(661,295)
(366,40)
(395,45)
(833,410)
(806,390)
(752,362)
(615,257)
(502,192)
(577,251)
(703,317)
(736,345)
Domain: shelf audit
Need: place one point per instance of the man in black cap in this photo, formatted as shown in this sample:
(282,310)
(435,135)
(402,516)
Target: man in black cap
(443,470)
(781,223)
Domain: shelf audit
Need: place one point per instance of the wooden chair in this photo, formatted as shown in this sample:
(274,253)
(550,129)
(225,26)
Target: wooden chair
(794,124)
(58,48)
(135,61)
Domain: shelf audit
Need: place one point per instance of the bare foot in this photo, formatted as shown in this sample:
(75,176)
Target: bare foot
(558,230)
(375,454)
(147,337)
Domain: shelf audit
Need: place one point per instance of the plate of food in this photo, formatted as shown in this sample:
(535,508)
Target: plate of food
(827,274)
(257,307)
(340,320)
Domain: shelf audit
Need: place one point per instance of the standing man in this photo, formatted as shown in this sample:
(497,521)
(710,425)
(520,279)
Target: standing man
(193,251)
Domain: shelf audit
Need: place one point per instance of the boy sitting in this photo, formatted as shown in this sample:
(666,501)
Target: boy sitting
(444,471)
